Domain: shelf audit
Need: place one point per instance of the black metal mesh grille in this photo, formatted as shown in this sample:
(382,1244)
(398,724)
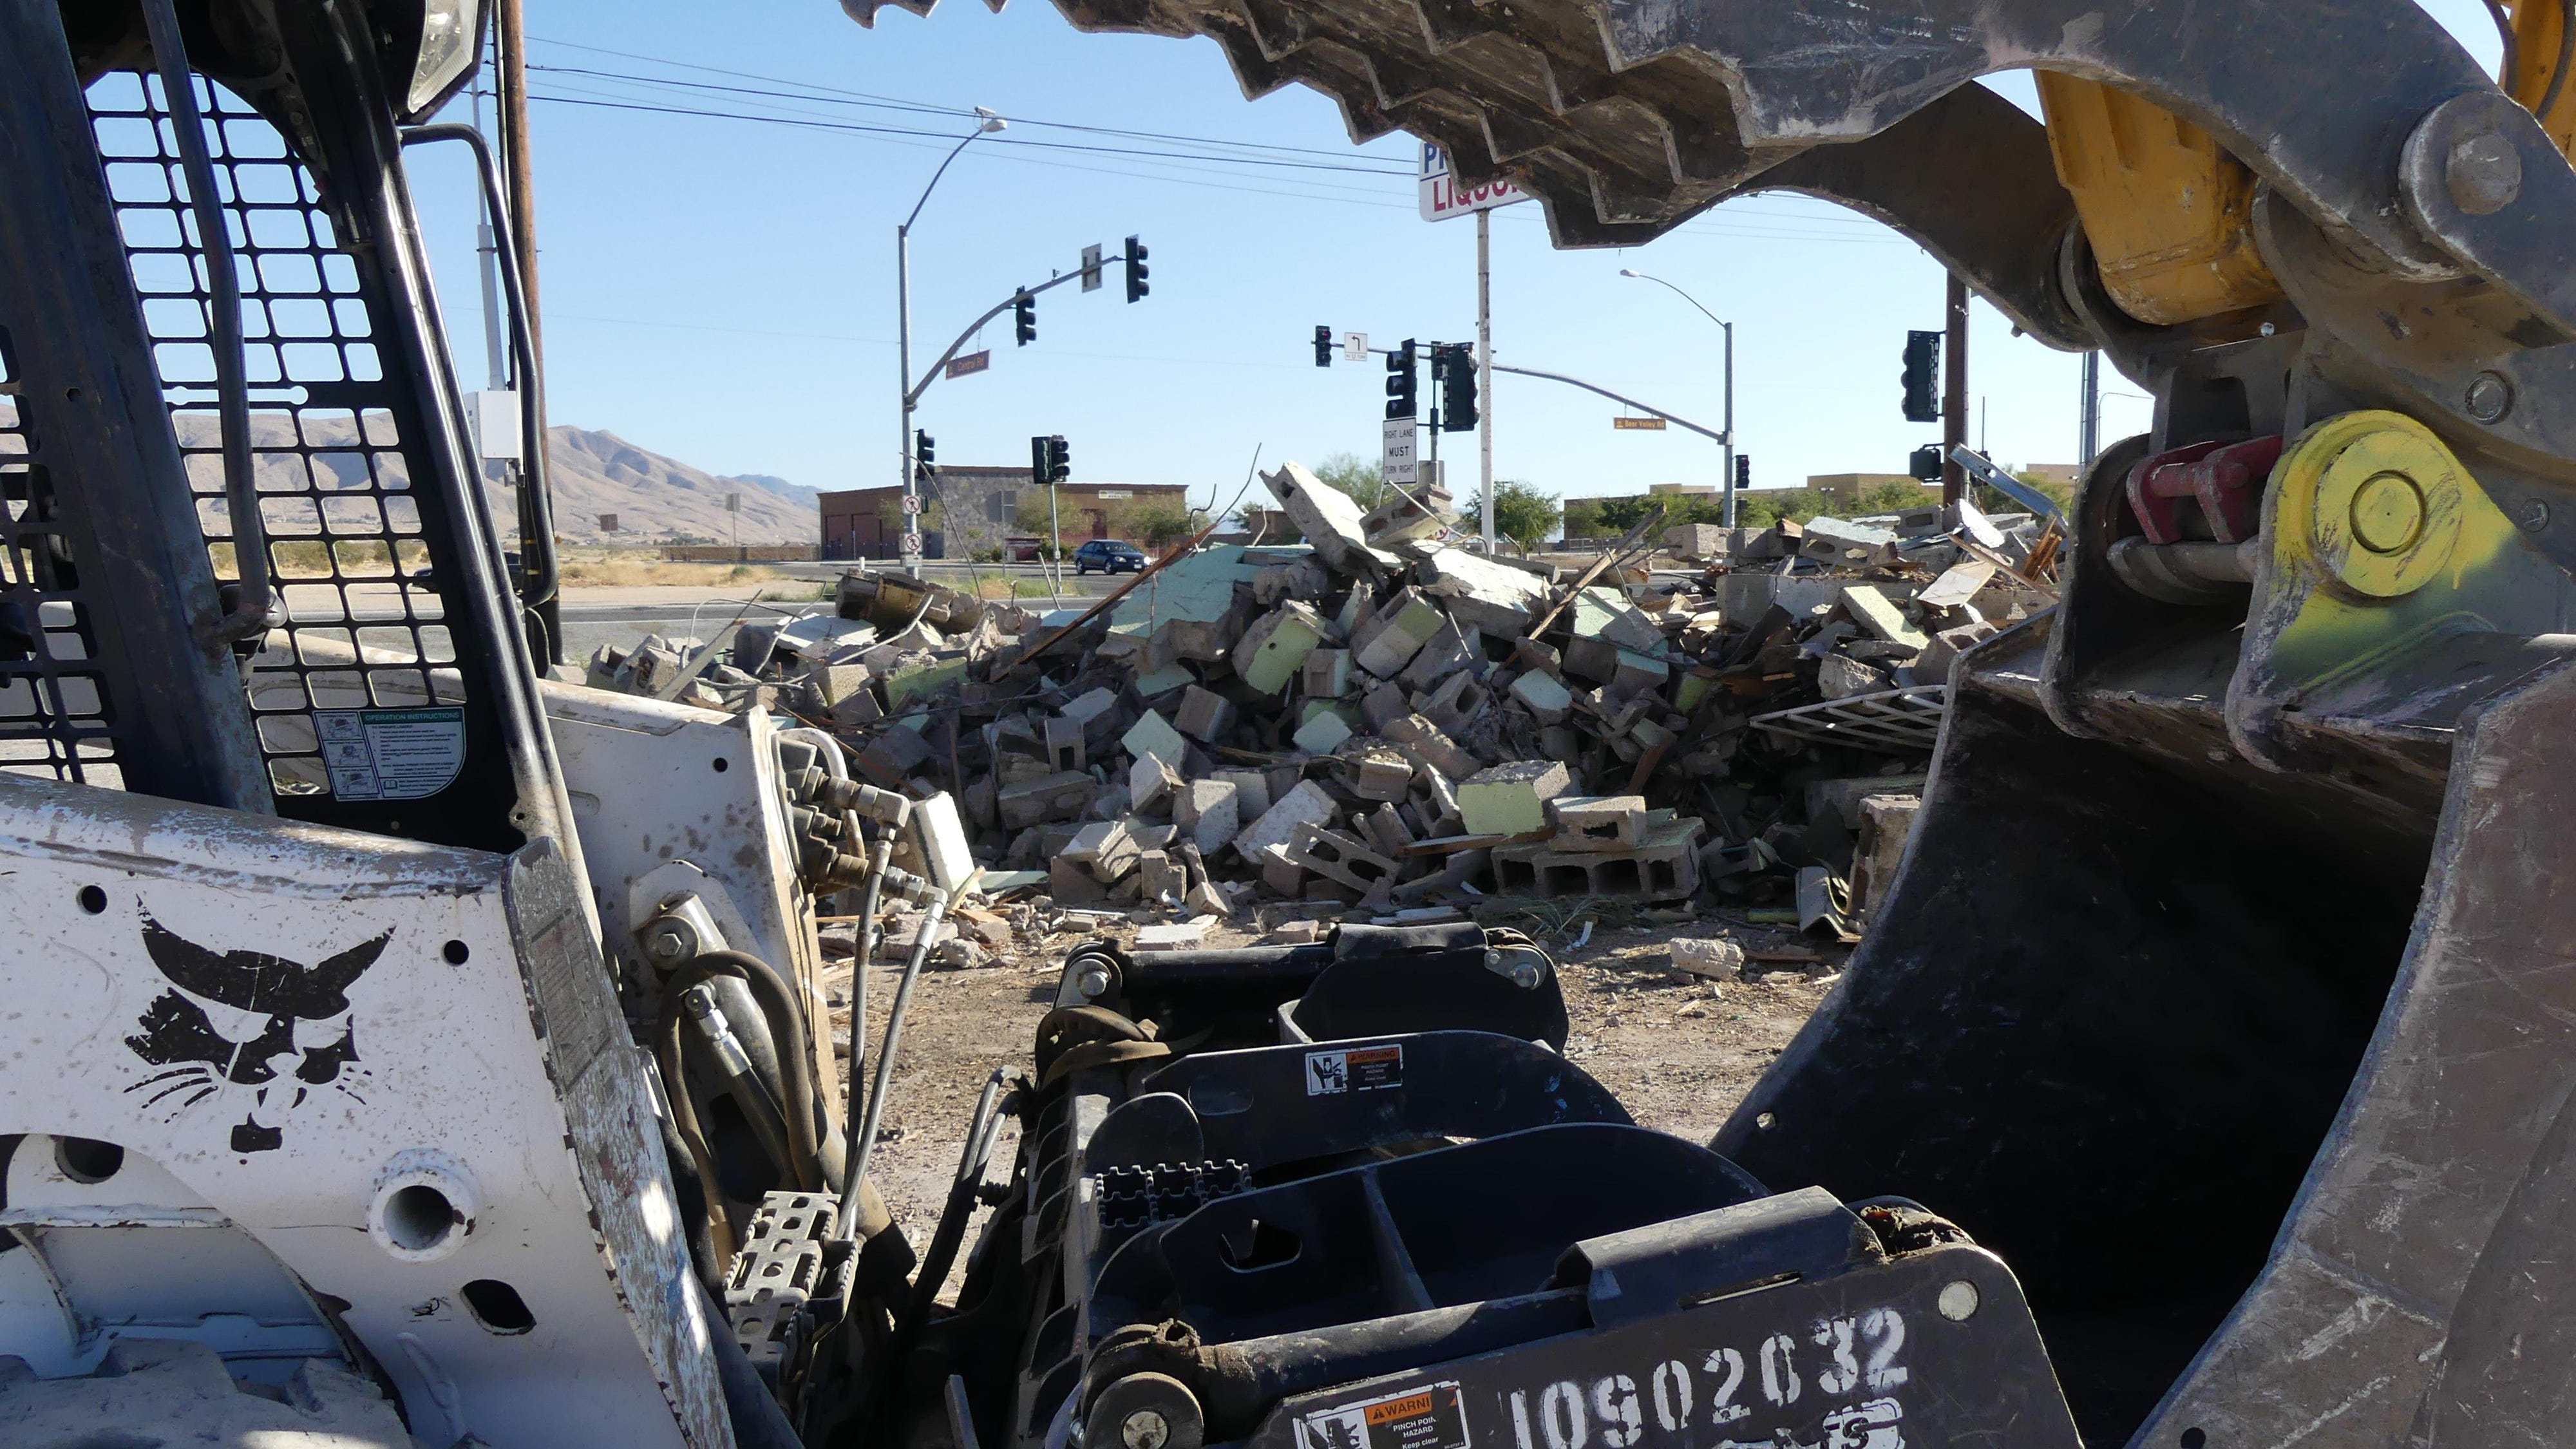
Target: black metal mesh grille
(54,718)
(345,538)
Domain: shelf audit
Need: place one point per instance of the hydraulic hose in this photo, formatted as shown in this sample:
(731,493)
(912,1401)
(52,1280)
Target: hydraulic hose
(787,1026)
(866,1130)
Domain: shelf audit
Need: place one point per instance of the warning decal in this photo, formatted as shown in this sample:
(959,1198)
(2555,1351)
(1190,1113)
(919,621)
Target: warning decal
(1421,1418)
(391,754)
(1356,1069)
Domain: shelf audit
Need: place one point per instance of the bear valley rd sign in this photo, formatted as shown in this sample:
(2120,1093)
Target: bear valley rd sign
(1441,196)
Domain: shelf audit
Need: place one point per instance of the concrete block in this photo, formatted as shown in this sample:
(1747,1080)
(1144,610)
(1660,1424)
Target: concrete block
(1274,649)
(1383,775)
(1327,674)
(1179,936)
(1664,869)
(1155,683)
(1402,518)
(1715,958)
(1932,666)
(1382,704)
(1451,651)
(1307,804)
(1161,877)
(1061,796)
(1280,874)
(1064,745)
(1886,824)
(1387,831)
(1545,699)
(1957,584)
(1698,540)
(1454,703)
(1633,673)
(947,858)
(1440,812)
(1840,677)
(1105,848)
(1408,622)
(1322,734)
(1597,822)
(1742,597)
(1210,811)
(1251,790)
(1511,798)
(857,709)
(1083,708)
(1841,542)
(1604,613)
(1073,885)
(1424,741)
(1204,716)
(1871,608)
(1204,898)
(1325,514)
(1152,736)
(1339,857)
(1840,799)
(1150,782)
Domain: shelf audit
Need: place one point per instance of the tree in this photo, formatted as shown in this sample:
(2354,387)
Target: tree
(1521,513)
(1160,525)
(1361,480)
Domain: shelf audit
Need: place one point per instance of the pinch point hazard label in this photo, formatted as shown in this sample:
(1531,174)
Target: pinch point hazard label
(1423,1418)
(1354,1069)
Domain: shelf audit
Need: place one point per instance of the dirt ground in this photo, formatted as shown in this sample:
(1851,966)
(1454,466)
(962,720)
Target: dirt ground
(1679,1051)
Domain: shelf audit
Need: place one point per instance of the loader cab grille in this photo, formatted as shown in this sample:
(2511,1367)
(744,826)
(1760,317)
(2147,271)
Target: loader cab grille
(53,712)
(366,638)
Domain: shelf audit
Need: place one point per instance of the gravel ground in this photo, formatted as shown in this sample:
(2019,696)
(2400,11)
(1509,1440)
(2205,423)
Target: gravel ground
(1679,1051)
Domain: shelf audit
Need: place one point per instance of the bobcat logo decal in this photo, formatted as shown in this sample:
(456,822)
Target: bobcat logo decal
(248,1029)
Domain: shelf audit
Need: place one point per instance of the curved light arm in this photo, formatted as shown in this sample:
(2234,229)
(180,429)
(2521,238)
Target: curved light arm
(990,124)
(1678,292)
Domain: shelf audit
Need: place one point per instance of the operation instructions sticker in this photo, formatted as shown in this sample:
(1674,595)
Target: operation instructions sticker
(1423,1418)
(391,754)
(1356,1069)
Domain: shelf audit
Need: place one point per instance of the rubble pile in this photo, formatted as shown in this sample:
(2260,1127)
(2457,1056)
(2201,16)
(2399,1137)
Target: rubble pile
(1378,718)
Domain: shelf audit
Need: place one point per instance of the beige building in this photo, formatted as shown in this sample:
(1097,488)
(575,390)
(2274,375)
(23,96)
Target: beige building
(1846,488)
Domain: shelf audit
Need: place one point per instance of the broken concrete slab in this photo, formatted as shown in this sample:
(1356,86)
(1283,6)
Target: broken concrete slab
(1204,716)
(1061,796)
(1327,516)
(1957,585)
(1597,822)
(1871,608)
(1490,595)
(1839,676)
(1309,803)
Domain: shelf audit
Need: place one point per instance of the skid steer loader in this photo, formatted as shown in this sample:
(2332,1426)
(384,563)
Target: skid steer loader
(404,1049)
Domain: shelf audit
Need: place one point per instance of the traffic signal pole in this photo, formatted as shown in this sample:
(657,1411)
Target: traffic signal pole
(1954,396)
(1485,370)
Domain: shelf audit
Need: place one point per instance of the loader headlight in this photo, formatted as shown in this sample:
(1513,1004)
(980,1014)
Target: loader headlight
(446,40)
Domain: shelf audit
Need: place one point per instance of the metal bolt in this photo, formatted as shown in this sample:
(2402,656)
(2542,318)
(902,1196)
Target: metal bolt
(1093,982)
(668,944)
(1958,1300)
(2490,397)
(2484,173)
(2533,516)
(1145,1429)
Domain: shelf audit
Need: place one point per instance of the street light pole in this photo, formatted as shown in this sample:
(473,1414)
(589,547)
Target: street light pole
(903,344)
(1729,328)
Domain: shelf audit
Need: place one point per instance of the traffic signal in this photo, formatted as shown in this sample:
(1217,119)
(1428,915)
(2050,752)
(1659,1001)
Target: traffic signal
(1925,463)
(1402,388)
(925,454)
(1456,365)
(1137,286)
(1922,377)
(1050,461)
(1743,471)
(1323,345)
(1024,317)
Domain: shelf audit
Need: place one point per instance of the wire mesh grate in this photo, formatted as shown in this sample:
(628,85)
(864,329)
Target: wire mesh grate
(55,718)
(365,627)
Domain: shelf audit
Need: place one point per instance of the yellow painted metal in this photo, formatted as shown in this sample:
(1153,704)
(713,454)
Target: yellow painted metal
(2165,206)
(2373,504)
(2536,25)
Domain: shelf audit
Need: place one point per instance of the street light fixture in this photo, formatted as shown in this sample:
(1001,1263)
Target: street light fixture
(987,122)
(1729,424)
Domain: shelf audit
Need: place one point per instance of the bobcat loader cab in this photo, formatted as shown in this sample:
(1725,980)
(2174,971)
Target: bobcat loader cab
(404,1051)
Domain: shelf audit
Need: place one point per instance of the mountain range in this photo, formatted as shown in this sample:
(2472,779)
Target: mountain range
(657,497)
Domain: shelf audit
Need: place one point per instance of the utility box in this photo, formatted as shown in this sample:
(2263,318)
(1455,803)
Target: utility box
(492,417)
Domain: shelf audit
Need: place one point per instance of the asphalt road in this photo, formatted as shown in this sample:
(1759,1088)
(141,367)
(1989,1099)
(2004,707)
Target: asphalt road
(621,616)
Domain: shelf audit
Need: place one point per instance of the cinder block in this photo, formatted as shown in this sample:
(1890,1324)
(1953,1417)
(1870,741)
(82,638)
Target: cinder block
(1384,702)
(1323,734)
(1870,608)
(1152,736)
(1382,775)
(1327,674)
(1423,740)
(1251,791)
(1454,702)
(1161,877)
(1886,823)
(1280,874)
(1511,798)
(1274,649)
(1407,623)
(1150,782)
(1597,822)
(1064,745)
(1105,848)
(1450,651)
(1210,811)
(1072,884)
(1204,716)
(1335,856)
(1665,871)
(1545,699)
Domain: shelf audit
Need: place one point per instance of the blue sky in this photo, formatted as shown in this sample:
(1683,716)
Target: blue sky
(723,291)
